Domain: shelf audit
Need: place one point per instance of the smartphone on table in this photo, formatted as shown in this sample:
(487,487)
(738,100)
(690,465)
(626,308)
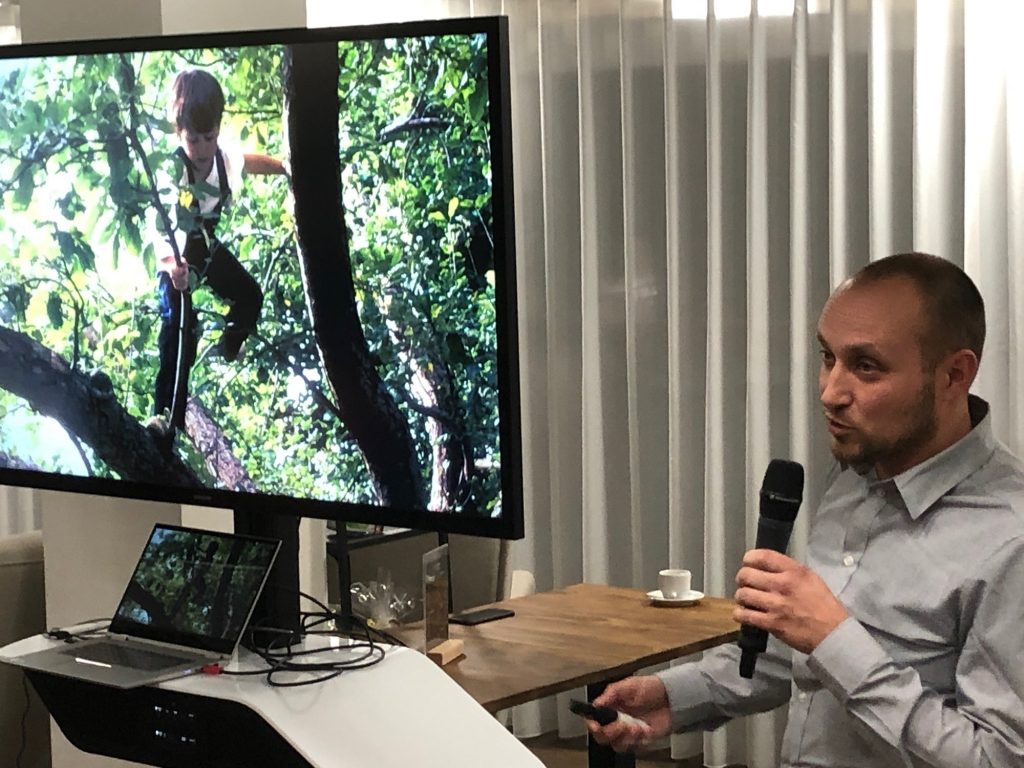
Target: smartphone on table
(480,615)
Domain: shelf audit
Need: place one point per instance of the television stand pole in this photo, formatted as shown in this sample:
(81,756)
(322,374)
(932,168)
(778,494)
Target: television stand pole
(278,606)
(341,558)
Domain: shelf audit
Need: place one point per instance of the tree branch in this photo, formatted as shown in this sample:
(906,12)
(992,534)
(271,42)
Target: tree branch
(7,461)
(132,134)
(92,414)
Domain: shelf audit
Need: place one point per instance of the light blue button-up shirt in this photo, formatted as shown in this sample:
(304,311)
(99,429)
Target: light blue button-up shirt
(928,670)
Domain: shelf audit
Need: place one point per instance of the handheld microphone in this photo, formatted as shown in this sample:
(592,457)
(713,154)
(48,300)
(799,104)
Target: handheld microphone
(781,493)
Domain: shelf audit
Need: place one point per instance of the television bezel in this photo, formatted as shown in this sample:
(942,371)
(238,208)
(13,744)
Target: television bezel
(510,524)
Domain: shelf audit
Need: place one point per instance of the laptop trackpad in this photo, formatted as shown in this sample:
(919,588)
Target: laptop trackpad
(118,655)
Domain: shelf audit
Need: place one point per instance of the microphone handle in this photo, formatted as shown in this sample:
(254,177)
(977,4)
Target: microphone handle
(771,534)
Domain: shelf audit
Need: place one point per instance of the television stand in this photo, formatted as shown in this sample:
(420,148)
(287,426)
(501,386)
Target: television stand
(278,606)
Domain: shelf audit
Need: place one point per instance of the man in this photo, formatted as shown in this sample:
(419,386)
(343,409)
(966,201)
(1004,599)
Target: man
(902,638)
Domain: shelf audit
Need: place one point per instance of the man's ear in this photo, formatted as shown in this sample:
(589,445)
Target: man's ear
(959,371)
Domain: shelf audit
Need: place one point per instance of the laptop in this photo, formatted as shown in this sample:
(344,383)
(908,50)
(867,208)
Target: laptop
(186,606)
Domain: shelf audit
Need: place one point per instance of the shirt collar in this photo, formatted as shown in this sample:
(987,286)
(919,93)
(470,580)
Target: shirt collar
(924,484)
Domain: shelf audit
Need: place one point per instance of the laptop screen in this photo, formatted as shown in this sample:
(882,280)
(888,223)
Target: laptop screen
(194,588)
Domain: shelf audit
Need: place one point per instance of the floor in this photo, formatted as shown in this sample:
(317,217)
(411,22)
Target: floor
(572,753)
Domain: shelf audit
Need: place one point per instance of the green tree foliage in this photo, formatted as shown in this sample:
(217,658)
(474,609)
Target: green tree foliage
(416,153)
(86,151)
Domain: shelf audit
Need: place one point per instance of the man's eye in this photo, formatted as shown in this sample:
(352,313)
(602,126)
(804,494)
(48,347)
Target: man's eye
(827,357)
(867,366)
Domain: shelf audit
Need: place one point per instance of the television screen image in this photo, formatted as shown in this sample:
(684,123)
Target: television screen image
(269,271)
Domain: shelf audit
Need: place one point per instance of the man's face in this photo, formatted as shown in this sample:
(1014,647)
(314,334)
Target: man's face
(878,398)
(200,147)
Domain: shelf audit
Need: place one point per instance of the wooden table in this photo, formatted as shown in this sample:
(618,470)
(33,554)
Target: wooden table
(583,635)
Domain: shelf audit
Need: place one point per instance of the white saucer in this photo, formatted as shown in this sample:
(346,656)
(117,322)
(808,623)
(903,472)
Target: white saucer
(690,598)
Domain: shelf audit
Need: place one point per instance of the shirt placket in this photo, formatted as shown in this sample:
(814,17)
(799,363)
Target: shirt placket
(855,540)
(838,576)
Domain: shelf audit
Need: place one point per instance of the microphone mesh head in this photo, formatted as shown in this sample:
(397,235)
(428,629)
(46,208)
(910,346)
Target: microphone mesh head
(784,485)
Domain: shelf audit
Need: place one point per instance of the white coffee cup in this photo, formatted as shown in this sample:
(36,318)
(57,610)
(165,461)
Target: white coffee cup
(673,582)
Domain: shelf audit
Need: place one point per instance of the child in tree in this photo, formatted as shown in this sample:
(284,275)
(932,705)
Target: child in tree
(211,174)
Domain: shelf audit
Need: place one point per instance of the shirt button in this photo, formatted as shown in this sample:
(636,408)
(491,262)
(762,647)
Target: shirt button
(802,695)
(848,560)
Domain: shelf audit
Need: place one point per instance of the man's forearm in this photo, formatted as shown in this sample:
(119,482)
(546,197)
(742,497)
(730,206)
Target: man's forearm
(708,693)
(890,702)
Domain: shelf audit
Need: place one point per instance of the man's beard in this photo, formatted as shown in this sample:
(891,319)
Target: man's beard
(869,451)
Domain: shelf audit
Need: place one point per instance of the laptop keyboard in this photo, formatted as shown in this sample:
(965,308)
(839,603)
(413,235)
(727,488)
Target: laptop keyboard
(123,656)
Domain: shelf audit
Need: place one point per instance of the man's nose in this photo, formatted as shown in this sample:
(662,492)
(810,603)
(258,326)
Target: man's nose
(834,384)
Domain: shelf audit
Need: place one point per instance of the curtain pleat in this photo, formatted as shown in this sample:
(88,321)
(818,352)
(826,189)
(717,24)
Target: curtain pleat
(938,143)
(642,83)
(560,125)
(985,191)
(686,151)
(607,526)
(758,271)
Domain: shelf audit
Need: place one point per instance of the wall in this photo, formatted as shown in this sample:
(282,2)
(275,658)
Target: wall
(45,20)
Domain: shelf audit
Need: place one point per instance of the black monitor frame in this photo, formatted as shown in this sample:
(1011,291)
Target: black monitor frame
(510,524)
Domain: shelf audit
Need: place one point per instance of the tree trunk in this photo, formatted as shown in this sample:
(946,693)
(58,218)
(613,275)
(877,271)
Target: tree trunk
(368,410)
(218,453)
(451,449)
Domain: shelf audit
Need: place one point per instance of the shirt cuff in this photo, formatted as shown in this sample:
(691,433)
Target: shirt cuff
(846,658)
(689,697)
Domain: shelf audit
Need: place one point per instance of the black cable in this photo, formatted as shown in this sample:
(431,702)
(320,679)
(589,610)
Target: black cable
(280,658)
(363,624)
(387,637)
(24,721)
(56,633)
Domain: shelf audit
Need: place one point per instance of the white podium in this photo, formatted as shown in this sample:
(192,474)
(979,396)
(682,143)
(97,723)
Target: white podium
(403,711)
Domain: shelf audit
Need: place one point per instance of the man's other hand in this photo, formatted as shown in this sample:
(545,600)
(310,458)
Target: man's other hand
(642,697)
(786,598)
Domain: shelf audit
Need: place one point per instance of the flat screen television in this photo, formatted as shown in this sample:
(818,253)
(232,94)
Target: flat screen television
(269,271)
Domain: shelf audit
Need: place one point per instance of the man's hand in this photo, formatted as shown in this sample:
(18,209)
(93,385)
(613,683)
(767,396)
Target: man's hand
(642,697)
(789,600)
